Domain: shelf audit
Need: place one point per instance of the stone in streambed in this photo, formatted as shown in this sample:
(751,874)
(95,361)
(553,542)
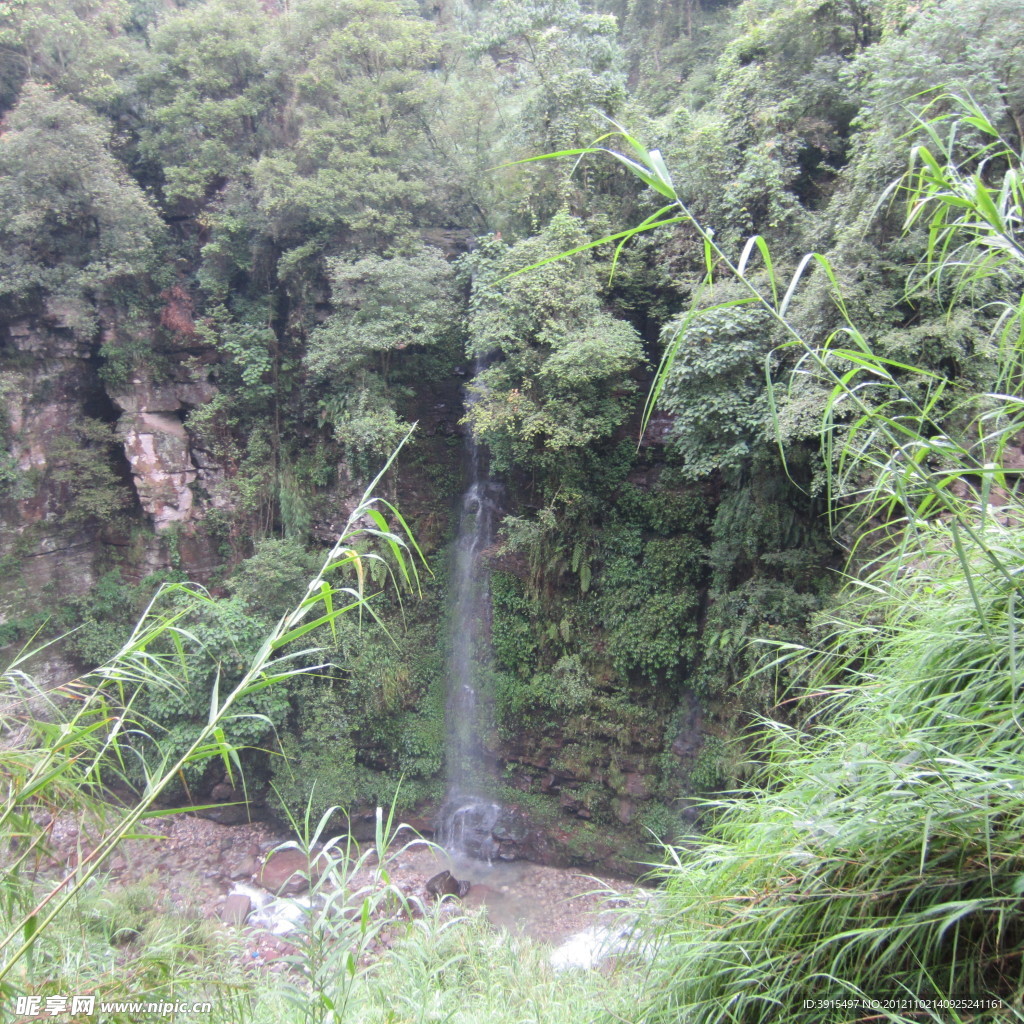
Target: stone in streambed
(236,909)
(244,868)
(444,883)
(288,872)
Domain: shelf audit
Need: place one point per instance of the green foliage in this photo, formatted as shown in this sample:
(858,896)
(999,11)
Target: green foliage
(869,841)
(273,577)
(710,770)
(72,224)
(662,824)
(648,595)
(715,392)
(651,632)
(316,766)
(98,620)
(570,66)
(74,47)
(90,731)
(364,421)
(357,72)
(563,382)
(878,815)
(114,940)
(226,637)
(245,337)
(966,49)
(80,469)
(512,633)
(382,307)
(209,91)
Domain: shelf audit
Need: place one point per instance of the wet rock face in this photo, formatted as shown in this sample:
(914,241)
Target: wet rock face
(47,391)
(50,392)
(487,831)
(465,827)
(159,450)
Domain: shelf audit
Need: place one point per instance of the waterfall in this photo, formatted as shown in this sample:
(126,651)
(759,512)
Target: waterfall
(468,816)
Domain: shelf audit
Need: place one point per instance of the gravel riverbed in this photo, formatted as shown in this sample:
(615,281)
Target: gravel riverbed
(193,864)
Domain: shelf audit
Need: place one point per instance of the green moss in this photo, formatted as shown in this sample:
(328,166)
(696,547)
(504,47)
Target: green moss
(710,768)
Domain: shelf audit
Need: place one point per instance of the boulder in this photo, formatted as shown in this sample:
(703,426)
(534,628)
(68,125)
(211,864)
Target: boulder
(236,909)
(635,784)
(244,868)
(625,810)
(444,883)
(288,872)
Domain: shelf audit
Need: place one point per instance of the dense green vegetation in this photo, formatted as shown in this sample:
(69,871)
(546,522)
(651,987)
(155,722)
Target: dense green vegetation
(245,248)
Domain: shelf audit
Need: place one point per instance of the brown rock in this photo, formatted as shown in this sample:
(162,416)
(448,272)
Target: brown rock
(444,883)
(635,784)
(288,872)
(422,825)
(625,810)
(236,909)
(243,869)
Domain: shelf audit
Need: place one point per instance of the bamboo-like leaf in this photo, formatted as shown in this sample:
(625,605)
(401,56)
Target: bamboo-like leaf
(629,233)
(794,281)
(308,627)
(327,598)
(762,247)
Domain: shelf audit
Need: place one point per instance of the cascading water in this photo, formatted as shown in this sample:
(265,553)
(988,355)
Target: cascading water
(468,816)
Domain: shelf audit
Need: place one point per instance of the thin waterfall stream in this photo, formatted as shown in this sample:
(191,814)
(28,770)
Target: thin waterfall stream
(469,813)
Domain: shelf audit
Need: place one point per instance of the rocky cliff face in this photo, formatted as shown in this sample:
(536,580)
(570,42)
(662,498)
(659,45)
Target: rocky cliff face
(159,450)
(49,387)
(93,480)
(175,480)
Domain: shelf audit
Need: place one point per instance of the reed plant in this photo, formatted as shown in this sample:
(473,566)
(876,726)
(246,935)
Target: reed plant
(64,748)
(351,911)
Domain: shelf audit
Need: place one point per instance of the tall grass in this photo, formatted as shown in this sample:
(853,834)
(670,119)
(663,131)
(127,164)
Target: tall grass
(129,944)
(879,856)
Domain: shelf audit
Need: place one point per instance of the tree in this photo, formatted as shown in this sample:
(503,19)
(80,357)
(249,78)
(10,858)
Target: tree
(76,46)
(209,94)
(382,306)
(568,64)
(348,167)
(73,225)
(560,377)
